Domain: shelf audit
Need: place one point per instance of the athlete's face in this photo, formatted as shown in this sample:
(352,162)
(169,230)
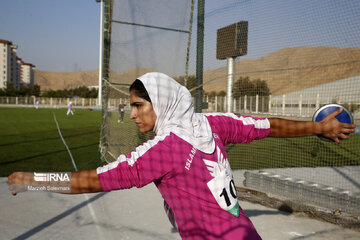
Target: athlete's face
(142,112)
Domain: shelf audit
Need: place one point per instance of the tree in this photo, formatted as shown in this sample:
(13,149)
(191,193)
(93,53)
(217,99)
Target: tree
(10,90)
(261,88)
(24,90)
(82,92)
(243,86)
(222,93)
(212,95)
(190,83)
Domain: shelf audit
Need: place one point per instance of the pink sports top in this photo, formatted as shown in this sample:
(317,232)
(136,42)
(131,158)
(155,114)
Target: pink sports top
(198,187)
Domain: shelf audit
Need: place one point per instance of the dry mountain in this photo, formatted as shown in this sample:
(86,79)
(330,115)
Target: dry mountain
(292,69)
(286,70)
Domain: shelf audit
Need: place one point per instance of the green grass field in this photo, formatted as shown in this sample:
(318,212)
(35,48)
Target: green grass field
(30,142)
(294,152)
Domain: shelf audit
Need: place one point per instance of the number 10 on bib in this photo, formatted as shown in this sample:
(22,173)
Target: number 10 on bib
(222,186)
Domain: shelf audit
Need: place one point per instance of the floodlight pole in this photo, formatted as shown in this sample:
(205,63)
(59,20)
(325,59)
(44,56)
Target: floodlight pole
(99,100)
(230,83)
(231,43)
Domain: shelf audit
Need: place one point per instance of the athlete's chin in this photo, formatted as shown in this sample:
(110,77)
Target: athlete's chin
(142,130)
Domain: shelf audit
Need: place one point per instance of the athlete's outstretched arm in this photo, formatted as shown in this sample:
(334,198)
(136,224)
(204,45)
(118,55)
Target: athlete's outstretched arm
(329,127)
(85,181)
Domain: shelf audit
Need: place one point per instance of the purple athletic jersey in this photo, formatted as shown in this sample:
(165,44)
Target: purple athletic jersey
(198,187)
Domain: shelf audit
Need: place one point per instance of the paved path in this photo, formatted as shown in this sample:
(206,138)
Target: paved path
(132,214)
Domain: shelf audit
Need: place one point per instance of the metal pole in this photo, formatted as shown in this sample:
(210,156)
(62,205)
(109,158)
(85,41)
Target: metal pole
(100,52)
(229,83)
(199,56)
(105,75)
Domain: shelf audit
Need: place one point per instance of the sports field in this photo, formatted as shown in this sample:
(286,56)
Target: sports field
(294,152)
(29,141)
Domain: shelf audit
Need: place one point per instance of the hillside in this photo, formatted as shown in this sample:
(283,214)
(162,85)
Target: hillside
(286,70)
(65,80)
(292,69)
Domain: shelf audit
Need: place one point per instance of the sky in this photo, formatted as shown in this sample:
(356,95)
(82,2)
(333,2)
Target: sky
(274,25)
(63,35)
(54,35)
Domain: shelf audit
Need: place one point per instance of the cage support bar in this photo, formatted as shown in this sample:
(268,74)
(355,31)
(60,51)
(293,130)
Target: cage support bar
(150,26)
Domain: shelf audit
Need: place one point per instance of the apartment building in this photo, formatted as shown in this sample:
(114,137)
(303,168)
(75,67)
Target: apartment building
(27,74)
(14,79)
(12,69)
(5,66)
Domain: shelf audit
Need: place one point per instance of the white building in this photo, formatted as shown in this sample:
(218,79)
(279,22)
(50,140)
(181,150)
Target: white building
(5,65)
(12,69)
(305,102)
(18,69)
(342,91)
(27,74)
(14,79)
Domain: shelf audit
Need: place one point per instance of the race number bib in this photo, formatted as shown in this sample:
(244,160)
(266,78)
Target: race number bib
(222,185)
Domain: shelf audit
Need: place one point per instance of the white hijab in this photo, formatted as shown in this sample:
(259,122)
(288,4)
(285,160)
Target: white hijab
(174,109)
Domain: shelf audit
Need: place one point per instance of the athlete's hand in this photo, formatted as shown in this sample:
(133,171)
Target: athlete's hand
(335,130)
(18,181)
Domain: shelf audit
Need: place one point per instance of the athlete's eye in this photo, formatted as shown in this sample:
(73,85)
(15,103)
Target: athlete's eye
(137,105)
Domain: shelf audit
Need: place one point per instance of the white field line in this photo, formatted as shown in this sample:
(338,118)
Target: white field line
(91,209)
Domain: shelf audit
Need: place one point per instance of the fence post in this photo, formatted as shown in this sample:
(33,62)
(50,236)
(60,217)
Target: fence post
(257,104)
(234,105)
(245,102)
(239,104)
(224,106)
(251,103)
(16,100)
(283,105)
(269,104)
(317,101)
(216,103)
(300,105)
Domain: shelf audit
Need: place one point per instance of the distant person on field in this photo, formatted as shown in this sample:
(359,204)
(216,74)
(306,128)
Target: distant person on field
(187,159)
(121,112)
(70,109)
(37,104)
